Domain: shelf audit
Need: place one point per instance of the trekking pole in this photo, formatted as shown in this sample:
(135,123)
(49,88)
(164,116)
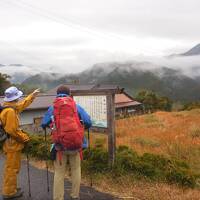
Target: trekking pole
(91,182)
(47,168)
(89,139)
(28,172)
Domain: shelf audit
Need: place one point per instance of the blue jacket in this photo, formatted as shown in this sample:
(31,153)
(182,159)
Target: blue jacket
(83,116)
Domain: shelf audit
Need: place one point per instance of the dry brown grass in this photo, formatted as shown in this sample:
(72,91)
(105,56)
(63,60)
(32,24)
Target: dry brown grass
(168,128)
(126,188)
(175,134)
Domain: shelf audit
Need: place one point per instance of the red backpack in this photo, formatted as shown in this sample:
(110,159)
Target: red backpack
(68,130)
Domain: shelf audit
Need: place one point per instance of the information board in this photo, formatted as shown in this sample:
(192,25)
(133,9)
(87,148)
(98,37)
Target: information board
(96,107)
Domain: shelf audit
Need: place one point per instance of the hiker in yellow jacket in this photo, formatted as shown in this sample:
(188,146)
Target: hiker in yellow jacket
(17,139)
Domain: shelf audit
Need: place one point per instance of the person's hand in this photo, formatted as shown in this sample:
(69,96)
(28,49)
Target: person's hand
(36,92)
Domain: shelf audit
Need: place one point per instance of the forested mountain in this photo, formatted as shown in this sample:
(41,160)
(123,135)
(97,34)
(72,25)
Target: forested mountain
(133,76)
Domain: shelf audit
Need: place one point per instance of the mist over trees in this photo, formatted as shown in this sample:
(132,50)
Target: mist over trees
(153,101)
(4,82)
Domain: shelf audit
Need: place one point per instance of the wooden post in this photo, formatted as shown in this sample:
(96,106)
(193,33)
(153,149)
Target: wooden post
(111,128)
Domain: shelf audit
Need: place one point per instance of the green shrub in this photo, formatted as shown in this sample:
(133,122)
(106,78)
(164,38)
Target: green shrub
(181,176)
(148,170)
(153,166)
(37,147)
(127,162)
(158,160)
(96,160)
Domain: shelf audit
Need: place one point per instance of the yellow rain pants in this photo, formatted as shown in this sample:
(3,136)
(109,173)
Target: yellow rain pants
(11,169)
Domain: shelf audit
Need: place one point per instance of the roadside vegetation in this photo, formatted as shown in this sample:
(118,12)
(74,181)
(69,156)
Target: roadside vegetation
(160,151)
(172,136)
(128,162)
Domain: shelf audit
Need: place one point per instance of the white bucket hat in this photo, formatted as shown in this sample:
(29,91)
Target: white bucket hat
(12,93)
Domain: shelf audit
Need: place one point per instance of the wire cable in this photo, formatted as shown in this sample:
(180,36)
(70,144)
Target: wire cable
(74,24)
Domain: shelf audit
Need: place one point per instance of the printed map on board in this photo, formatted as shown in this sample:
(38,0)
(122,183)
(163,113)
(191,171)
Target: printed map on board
(96,106)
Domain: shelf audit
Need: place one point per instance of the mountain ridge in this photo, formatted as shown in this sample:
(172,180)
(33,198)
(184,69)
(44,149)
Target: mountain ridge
(163,80)
(194,51)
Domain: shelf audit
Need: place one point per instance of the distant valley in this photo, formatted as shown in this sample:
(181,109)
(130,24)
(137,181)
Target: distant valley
(132,75)
(163,80)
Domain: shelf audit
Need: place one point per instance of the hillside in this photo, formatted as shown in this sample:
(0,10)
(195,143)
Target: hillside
(172,134)
(18,72)
(133,76)
(162,132)
(194,51)
(175,134)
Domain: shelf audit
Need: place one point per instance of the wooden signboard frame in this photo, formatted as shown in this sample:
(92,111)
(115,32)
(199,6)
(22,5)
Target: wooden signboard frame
(110,130)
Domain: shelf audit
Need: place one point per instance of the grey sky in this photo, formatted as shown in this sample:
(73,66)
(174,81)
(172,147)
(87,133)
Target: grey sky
(79,33)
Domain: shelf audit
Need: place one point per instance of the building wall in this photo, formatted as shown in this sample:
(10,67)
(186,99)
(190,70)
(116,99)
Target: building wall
(28,116)
(128,111)
(30,121)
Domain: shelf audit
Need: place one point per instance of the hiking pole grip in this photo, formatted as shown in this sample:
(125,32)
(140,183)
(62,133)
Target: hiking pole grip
(28,171)
(46,148)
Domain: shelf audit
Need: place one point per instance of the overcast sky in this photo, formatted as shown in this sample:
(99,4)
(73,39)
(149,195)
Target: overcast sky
(74,34)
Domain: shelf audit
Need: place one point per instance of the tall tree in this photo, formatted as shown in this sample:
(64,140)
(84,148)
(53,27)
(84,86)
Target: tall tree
(4,82)
(152,101)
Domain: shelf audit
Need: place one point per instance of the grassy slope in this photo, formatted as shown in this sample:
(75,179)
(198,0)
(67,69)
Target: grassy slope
(175,134)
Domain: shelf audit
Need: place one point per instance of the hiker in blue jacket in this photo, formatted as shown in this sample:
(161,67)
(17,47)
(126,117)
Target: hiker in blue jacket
(73,157)
(83,115)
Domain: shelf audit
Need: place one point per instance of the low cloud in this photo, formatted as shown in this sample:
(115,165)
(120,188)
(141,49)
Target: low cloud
(188,65)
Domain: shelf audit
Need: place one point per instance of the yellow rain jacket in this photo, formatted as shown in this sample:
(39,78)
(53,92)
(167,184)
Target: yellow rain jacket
(10,120)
